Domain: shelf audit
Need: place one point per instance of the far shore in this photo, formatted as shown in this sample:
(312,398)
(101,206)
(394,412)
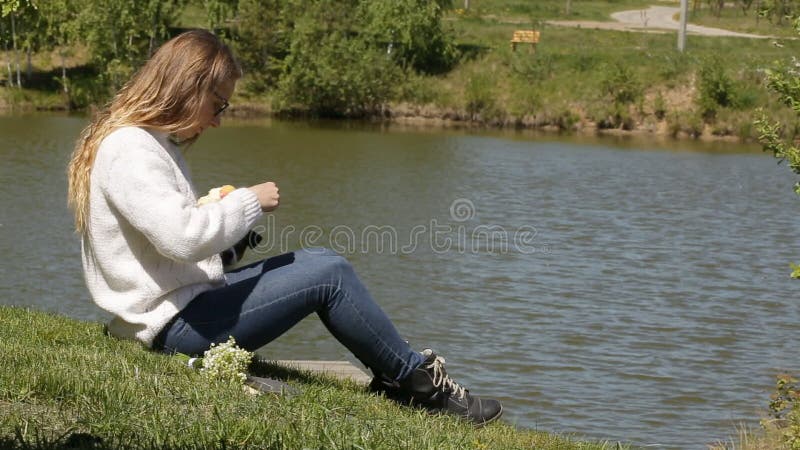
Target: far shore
(433,117)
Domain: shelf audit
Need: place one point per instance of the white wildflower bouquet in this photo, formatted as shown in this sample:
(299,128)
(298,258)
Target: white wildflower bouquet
(225,362)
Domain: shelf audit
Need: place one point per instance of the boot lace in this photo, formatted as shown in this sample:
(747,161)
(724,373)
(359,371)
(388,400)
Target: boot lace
(441,379)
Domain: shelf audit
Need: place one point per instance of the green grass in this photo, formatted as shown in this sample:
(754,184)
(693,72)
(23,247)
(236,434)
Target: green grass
(768,437)
(63,384)
(566,81)
(549,9)
(735,19)
(30,99)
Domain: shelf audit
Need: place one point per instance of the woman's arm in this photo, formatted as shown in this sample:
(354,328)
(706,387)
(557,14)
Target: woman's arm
(142,184)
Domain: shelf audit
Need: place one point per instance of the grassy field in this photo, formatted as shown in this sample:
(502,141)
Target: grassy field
(515,10)
(735,19)
(620,80)
(63,384)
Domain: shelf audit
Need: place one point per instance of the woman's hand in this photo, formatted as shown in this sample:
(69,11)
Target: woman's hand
(267,194)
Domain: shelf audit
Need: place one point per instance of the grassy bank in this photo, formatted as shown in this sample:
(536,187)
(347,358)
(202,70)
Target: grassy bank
(63,384)
(753,439)
(625,82)
(622,81)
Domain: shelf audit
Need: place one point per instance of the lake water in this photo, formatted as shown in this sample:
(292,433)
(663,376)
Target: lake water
(599,287)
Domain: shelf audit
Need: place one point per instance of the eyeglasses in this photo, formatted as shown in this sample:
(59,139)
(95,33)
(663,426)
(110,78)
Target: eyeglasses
(224,106)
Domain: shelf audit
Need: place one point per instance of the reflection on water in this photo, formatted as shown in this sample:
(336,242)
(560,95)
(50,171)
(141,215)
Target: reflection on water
(649,300)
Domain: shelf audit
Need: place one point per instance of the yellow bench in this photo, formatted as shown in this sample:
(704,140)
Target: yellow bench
(525,37)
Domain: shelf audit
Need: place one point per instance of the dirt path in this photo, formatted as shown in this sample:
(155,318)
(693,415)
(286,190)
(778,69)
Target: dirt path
(655,19)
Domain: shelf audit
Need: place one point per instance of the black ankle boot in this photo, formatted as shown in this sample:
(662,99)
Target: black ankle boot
(383,385)
(429,386)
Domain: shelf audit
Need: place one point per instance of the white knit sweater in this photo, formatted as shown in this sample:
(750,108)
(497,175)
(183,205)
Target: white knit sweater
(150,249)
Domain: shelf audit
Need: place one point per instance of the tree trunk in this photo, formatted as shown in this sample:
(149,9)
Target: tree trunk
(64,84)
(758,8)
(8,58)
(466,5)
(156,16)
(64,81)
(16,50)
(569,6)
(29,69)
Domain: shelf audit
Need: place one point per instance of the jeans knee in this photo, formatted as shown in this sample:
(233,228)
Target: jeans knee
(329,260)
(321,251)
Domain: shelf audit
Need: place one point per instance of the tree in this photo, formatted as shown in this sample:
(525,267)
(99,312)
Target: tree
(120,34)
(745,5)
(777,11)
(19,13)
(218,12)
(784,81)
(262,41)
(411,31)
(331,70)
(5,38)
(58,21)
(716,6)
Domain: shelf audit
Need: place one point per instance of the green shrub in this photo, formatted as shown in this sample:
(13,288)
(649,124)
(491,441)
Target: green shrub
(335,75)
(748,97)
(785,410)
(411,32)
(615,116)
(31,99)
(722,129)
(621,84)
(674,66)
(526,99)
(716,89)
(774,135)
(745,130)
(560,116)
(585,62)
(417,89)
(532,69)
(479,97)
(685,122)
(659,106)
(260,44)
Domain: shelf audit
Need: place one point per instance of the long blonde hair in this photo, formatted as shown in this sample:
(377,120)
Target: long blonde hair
(165,94)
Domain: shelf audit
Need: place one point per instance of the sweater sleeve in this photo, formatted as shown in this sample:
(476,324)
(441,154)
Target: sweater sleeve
(141,183)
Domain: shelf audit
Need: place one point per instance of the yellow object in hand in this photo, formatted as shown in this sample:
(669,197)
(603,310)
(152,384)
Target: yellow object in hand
(215,194)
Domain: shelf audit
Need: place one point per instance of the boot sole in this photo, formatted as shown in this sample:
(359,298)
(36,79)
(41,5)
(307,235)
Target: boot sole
(487,422)
(405,402)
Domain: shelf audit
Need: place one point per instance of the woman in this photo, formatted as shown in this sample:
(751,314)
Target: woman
(151,255)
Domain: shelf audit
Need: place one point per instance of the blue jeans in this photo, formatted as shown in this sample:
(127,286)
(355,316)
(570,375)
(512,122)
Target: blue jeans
(263,300)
